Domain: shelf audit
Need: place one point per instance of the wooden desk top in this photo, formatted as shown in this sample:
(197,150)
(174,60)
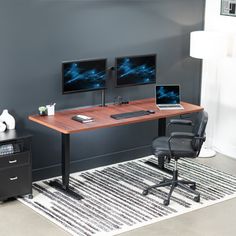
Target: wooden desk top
(63,123)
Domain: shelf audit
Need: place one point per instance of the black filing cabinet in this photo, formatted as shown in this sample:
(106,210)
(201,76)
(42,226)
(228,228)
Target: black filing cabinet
(15,164)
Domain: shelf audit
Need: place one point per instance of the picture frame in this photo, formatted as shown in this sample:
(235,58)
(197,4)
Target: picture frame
(228,7)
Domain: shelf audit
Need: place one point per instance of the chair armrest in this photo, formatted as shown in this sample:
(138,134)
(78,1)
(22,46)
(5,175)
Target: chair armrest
(180,122)
(174,135)
(181,135)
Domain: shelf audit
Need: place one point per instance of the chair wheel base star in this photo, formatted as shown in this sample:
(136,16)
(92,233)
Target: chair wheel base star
(180,145)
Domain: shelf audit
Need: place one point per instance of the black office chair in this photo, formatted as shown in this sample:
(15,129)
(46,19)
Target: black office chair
(180,145)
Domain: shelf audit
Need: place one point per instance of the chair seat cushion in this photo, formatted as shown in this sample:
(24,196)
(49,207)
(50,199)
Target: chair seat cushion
(180,147)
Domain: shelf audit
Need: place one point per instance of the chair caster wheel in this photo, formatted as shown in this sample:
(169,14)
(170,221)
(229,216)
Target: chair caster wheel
(30,196)
(196,199)
(145,192)
(166,202)
(193,187)
(163,181)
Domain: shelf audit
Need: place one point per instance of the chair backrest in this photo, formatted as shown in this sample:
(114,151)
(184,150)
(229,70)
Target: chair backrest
(199,131)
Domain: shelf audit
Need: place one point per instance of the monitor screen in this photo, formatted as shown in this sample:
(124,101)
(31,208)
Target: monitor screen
(135,70)
(78,76)
(167,94)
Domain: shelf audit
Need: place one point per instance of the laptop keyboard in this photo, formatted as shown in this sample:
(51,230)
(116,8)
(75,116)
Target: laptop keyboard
(170,107)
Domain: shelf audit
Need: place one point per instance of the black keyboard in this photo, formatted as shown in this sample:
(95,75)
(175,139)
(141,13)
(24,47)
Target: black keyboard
(130,114)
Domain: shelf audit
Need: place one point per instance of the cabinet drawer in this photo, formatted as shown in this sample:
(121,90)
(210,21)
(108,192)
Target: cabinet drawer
(15,181)
(16,159)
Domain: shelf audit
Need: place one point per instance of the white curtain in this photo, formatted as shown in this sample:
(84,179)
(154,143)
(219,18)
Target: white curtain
(219,85)
(224,139)
(219,99)
(210,97)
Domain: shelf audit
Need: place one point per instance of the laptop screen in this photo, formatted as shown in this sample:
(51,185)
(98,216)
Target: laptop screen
(167,94)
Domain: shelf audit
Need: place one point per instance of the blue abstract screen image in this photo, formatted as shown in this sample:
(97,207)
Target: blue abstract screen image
(84,75)
(136,70)
(167,94)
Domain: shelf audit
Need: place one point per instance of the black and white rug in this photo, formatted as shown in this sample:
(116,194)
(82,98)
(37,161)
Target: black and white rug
(113,202)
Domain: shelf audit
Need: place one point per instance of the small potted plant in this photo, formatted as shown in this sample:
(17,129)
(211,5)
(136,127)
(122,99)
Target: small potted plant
(42,111)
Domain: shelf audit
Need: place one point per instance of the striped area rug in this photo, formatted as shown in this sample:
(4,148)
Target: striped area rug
(113,202)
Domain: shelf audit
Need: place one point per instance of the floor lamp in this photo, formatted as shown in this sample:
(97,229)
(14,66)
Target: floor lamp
(211,47)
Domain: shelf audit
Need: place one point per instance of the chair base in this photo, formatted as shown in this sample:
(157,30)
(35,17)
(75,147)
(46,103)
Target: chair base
(174,182)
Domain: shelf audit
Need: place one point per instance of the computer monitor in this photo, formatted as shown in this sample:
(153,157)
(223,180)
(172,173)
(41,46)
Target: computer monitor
(167,94)
(83,75)
(135,70)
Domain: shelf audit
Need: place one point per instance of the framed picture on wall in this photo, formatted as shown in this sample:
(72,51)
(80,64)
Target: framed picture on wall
(228,7)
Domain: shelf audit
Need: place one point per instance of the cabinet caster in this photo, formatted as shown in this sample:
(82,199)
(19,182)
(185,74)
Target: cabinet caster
(30,196)
(166,202)
(145,192)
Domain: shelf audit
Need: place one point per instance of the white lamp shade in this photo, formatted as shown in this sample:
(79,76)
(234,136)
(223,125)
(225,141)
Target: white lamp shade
(208,45)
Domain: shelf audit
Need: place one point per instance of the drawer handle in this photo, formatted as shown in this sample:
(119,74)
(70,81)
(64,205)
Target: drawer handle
(13,161)
(14,178)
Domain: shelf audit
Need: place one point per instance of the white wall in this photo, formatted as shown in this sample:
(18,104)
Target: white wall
(219,84)
(215,21)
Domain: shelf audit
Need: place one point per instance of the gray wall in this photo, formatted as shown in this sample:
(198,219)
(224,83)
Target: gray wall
(37,35)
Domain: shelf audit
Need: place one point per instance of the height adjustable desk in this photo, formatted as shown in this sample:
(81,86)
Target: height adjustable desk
(63,123)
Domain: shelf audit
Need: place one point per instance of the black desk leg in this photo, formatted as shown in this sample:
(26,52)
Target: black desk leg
(161,161)
(65,169)
(65,162)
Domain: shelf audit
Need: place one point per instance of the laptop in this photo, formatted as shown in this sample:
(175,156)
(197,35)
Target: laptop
(168,97)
